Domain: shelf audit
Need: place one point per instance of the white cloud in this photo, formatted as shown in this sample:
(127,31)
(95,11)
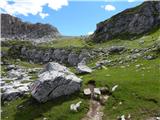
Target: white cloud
(131,0)
(43,15)
(109,7)
(90,33)
(57,4)
(34,7)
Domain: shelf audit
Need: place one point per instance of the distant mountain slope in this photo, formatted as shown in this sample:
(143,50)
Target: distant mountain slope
(130,22)
(13,28)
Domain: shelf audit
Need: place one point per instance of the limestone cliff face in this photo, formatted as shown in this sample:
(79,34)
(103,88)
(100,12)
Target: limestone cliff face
(130,22)
(13,28)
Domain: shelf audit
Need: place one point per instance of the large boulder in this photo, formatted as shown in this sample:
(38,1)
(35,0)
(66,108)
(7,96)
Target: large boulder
(61,55)
(84,54)
(54,81)
(73,59)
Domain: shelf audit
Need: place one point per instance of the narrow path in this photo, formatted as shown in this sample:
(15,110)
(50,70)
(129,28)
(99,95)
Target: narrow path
(95,110)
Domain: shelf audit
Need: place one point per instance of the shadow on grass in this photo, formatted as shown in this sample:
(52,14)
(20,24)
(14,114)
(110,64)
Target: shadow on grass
(31,109)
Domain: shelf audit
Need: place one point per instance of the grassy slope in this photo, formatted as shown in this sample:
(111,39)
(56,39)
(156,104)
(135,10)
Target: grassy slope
(135,43)
(65,43)
(81,43)
(58,109)
(53,110)
(149,40)
(138,91)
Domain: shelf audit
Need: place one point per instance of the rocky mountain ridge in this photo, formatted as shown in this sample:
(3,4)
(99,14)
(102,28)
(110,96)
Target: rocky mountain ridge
(14,28)
(129,23)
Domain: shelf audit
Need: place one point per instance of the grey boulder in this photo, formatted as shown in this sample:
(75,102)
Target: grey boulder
(149,57)
(54,81)
(10,67)
(116,49)
(73,59)
(12,95)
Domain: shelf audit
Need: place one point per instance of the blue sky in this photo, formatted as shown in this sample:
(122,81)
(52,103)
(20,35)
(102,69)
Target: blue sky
(75,17)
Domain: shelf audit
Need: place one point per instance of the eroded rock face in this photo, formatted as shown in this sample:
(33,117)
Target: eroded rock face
(55,81)
(13,28)
(130,22)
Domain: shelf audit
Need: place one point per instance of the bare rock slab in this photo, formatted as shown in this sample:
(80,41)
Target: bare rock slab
(82,68)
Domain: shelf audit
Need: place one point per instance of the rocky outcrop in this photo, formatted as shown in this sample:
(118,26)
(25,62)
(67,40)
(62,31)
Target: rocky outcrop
(129,23)
(55,81)
(38,55)
(15,82)
(13,28)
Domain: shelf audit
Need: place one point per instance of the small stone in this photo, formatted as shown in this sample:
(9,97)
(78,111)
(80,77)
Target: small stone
(114,88)
(104,90)
(108,75)
(120,103)
(104,67)
(20,106)
(10,67)
(123,117)
(97,91)
(87,91)
(116,49)
(129,116)
(149,57)
(45,118)
(137,66)
(75,107)
(122,66)
(157,118)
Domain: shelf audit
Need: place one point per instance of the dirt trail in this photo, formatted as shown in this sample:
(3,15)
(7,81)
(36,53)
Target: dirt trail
(95,110)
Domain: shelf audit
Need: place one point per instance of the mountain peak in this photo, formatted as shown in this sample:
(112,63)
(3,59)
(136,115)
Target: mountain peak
(14,28)
(131,22)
